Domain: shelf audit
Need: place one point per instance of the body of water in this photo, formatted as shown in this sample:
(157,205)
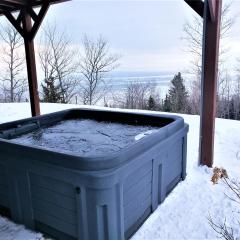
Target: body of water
(118,81)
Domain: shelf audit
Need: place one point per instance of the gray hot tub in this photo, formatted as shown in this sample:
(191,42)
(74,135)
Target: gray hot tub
(89,174)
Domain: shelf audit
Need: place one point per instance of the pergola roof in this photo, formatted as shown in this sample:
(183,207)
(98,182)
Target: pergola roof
(17,5)
(196,5)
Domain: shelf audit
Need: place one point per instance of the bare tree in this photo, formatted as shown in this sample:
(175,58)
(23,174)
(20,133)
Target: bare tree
(58,61)
(95,63)
(193,36)
(236,95)
(195,93)
(136,96)
(13,83)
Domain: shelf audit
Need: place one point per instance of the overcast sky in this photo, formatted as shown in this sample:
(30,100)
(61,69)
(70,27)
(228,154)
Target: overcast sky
(147,34)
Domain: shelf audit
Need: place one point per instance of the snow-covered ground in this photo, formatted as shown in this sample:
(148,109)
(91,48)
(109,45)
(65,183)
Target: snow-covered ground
(183,215)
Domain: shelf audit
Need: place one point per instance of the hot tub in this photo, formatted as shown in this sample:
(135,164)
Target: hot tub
(99,180)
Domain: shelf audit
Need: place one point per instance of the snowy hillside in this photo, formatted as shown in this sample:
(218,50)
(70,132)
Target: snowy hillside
(183,215)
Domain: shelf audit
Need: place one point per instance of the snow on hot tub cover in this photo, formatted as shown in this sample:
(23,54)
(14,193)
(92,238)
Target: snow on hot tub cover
(85,136)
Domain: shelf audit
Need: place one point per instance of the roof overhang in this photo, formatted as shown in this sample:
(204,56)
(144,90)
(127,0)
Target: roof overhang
(17,5)
(196,5)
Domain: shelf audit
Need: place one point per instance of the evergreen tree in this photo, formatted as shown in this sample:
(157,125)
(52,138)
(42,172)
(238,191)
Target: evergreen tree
(51,92)
(151,105)
(178,95)
(167,104)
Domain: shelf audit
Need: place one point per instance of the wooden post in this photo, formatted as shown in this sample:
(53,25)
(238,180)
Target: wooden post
(23,24)
(31,65)
(210,52)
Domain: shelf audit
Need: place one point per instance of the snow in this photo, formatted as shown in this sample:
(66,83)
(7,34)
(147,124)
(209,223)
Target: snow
(144,134)
(183,215)
(12,231)
(86,137)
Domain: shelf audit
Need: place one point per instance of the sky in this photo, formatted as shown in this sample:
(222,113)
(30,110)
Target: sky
(146,34)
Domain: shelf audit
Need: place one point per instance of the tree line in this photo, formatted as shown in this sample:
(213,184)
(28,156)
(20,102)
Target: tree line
(68,73)
(179,99)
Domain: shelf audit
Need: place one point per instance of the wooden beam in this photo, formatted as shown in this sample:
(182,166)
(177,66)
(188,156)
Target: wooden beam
(210,52)
(14,22)
(12,3)
(31,64)
(16,5)
(212,9)
(38,19)
(32,14)
(19,18)
(196,5)
(18,2)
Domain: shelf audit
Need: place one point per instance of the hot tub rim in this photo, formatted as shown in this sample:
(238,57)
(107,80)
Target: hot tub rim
(99,162)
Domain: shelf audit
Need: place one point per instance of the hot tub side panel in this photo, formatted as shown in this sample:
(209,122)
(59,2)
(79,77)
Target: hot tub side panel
(4,200)
(151,177)
(137,195)
(169,165)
